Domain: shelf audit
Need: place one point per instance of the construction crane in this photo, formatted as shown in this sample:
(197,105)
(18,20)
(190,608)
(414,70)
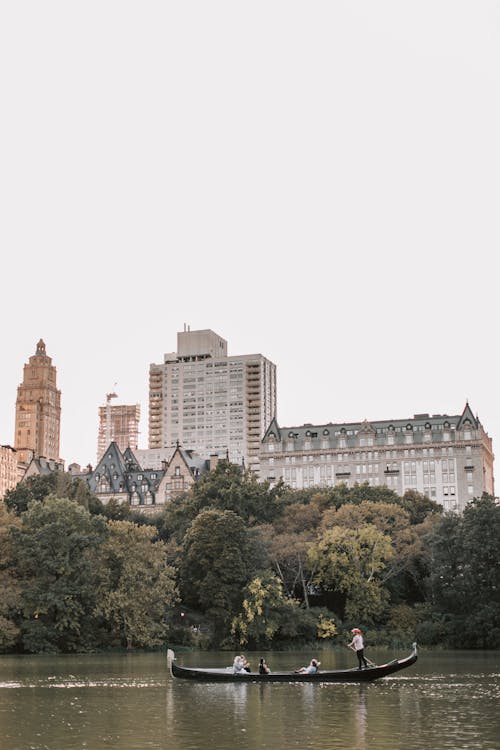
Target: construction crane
(109,396)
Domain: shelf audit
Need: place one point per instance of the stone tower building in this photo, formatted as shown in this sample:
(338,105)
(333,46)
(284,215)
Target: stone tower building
(38,409)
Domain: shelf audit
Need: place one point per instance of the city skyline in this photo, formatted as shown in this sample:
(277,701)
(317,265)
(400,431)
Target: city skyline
(143,443)
(318,184)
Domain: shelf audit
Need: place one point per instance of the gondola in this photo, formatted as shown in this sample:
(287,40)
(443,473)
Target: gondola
(226,674)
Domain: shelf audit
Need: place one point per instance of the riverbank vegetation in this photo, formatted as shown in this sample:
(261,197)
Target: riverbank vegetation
(235,563)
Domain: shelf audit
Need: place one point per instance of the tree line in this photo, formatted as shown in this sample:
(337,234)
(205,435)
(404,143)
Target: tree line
(236,562)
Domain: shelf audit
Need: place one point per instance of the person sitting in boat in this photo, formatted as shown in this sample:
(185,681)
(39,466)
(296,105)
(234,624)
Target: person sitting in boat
(311,669)
(240,664)
(263,668)
(357,645)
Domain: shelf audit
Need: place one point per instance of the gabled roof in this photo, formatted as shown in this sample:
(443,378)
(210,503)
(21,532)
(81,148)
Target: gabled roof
(194,463)
(43,466)
(131,461)
(273,428)
(468,416)
(111,456)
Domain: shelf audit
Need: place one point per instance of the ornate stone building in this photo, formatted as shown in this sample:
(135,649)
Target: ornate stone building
(119,476)
(447,458)
(38,409)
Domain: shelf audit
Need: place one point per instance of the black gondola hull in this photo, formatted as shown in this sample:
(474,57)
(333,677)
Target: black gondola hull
(369,674)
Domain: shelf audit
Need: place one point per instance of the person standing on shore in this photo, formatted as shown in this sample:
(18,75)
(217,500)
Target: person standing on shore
(357,645)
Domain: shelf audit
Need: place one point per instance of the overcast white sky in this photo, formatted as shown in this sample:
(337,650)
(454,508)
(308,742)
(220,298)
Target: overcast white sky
(315,181)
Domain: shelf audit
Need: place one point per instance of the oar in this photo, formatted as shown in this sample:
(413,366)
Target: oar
(370,663)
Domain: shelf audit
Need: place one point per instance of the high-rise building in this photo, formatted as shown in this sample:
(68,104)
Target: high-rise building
(209,402)
(118,423)
(449,458)
(38,409)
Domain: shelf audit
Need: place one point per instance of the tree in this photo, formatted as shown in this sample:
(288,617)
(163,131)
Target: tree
(419,506)
(10,600)
(466,574)
(54,553)
(137,589)
(262,610)
(228,487)
(59,484)
(351,562)
(292,533)
(36,487)
(219,556)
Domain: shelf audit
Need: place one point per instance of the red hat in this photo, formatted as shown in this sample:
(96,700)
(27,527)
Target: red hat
(355,630)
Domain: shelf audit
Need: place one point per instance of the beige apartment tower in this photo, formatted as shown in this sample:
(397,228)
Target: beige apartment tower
(118,423)
(38,409)
(209,402)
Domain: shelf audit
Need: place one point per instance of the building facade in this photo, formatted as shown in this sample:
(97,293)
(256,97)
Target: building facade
(212,403)
(10,473)
(447,458)
(38,409)
(118,423)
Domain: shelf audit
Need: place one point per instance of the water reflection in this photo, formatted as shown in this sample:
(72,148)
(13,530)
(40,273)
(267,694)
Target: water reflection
(361,715)
(446,701)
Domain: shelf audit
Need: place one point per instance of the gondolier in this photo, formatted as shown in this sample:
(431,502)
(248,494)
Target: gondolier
(357,645)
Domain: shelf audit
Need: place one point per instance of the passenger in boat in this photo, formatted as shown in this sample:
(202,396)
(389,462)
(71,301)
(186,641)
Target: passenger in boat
(263,668)
(311,669)
(240,665)
(357,645)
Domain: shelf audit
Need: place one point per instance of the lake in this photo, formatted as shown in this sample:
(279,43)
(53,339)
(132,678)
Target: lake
(446,700)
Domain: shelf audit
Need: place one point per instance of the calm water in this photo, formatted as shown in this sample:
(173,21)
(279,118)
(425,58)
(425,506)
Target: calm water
(446,700)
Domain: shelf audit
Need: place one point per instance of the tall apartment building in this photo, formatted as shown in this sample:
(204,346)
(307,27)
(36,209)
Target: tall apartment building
(447,458)
(118,423)
(38,409)
(209,402)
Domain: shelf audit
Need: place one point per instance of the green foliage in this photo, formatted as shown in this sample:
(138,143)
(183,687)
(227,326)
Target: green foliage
(219,556)
(418,506)
(327,627)
(262,610)
(10,600)
(35,488)
(466,573)
(54,552)
(113,510)
(230,488)
(59,484)
(351,561)
(137,588)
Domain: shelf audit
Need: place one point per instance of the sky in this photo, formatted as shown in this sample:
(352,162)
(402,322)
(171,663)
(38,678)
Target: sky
(318,182)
